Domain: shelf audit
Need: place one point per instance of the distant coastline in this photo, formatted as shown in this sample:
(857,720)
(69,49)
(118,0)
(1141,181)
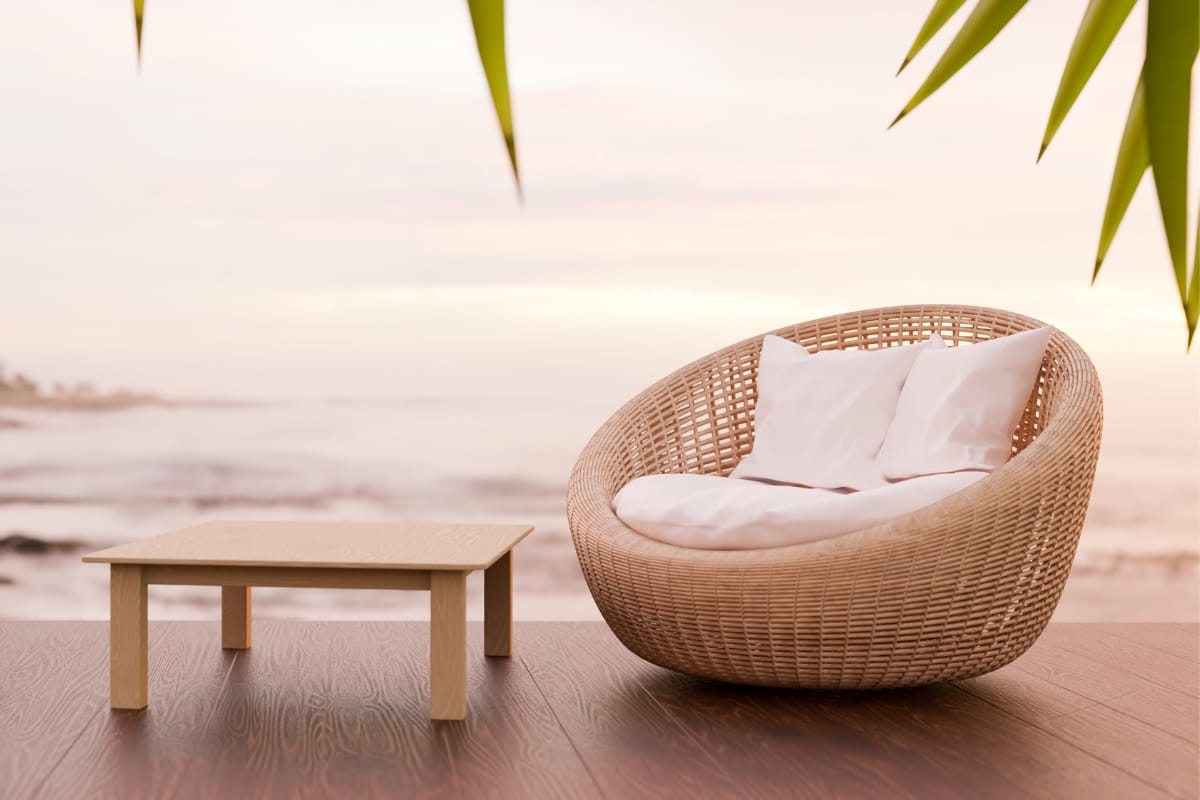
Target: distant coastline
(79,402)
(17,390)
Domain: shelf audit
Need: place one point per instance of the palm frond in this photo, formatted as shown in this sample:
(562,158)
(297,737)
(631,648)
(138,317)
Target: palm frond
(139,14)
(1133,159)
(986,20)
(1099,27)
(939,15)
(1172,39)
(487,17)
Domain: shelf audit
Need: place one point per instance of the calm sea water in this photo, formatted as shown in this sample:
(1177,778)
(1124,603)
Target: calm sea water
(74,481)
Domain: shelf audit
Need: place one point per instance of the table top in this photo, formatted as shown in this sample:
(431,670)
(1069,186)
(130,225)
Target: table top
(349,545)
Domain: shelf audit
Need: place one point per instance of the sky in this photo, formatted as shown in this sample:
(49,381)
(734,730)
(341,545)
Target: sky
(298,198)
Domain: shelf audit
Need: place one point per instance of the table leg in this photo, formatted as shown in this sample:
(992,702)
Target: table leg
(497,607)
(235,617)
(448,644)
(127,637)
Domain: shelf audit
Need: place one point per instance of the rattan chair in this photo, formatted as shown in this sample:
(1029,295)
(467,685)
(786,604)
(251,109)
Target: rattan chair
(953,590)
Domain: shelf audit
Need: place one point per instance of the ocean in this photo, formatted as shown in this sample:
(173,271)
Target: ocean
(72,481)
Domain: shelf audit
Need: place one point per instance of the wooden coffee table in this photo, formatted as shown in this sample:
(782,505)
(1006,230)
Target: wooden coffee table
(331,555)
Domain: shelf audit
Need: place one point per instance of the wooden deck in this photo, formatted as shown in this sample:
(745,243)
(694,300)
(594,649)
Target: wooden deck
(341,710)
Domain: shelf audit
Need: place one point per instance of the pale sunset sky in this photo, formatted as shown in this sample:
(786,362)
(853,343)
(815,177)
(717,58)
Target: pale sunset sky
(302,198)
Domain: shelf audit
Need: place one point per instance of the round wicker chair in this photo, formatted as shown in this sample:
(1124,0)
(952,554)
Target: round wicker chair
(953,590)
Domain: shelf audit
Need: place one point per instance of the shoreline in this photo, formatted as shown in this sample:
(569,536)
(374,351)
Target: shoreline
(1086,598)
(1100,563)
(112,402)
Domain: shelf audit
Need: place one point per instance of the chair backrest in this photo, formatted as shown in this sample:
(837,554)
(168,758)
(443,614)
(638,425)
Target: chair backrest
(700,418)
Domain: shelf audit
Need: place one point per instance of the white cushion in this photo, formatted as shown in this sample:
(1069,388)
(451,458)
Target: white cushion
(960,406)
(711,512)
(820,419)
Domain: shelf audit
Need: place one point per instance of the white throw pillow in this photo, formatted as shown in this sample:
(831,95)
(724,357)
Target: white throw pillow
(820,419)
(960,406)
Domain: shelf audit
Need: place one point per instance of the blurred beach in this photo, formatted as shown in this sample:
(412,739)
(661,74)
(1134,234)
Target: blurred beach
(74,481)
(311,215)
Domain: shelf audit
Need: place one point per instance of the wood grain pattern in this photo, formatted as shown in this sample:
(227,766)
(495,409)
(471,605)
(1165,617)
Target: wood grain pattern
(497,607)
(236,614)
(1025,696)
(836,744)
(1174,712)
(1092,678)
(382,715)
(928,742)
(1040,763)
(330,710)
(448,645)
(1043,765)
(1147,663)
(129,755)
(1155,757)
(511,744)
(364,729)
(296,577)
(270,729)
(632,748)
(129,637)
(350,545)
(53,682)
(1162,636)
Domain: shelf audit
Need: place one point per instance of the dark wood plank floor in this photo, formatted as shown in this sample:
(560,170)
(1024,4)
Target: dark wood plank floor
(318,710)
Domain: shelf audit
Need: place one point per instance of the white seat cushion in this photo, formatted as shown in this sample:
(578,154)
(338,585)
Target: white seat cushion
(960,406)
(820,419)
(715,513)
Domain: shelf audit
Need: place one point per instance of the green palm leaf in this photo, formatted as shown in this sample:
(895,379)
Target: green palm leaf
(1172,38)
(487,17)
(1133,159)
(986,20)
(1100,24)
(139,12)
(941,12)
(1192,308)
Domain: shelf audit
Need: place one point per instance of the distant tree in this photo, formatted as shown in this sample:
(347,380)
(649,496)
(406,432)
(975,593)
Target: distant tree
(23,385)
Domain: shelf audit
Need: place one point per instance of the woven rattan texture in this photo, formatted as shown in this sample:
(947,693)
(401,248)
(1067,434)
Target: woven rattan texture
(953,590)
